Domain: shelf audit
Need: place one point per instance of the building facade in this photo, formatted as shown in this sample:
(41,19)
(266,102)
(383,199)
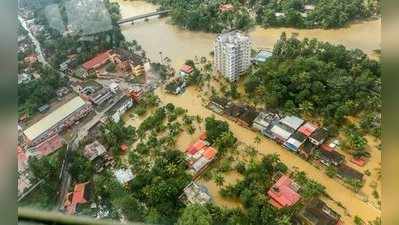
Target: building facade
(232,54)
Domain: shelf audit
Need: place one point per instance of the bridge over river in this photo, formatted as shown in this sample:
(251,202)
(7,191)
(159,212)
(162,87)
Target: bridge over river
(143,16)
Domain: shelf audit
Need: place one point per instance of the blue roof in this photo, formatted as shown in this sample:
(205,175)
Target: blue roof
(263,55)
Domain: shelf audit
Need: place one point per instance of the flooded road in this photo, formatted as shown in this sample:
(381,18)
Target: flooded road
(355,206)
(158,35)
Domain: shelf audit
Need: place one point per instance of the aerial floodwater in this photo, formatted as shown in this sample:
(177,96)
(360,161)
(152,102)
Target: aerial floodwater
(157,35)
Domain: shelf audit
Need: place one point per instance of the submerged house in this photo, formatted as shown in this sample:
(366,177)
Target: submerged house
(284,128)
(218,104)
(284,193)
(263,120)
(316,212)
(307,129)
(195,194)
(328,156)
(295,141)
(199,155)
(247,117)
(307,149)
(318,136)
(234,111)
(346,172)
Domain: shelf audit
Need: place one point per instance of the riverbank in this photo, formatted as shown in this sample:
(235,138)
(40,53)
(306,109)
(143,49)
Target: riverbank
(158,35)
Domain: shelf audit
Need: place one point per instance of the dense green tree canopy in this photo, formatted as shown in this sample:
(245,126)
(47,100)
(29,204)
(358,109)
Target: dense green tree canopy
(195,215)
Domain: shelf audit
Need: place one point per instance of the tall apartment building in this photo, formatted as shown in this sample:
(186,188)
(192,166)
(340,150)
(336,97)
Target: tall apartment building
(232,54)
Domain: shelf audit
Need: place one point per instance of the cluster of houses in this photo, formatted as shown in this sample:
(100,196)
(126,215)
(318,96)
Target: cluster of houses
(285,192)
(199,155)
(301,137)
(178,83)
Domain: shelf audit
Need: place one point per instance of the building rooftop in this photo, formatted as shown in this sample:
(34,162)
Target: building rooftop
(347,172)
(124,175)
(232,38)
(98,59)
(93,150)
(284,193)
(263,55)
(292,121)
(282,131)
(249,115)
(195,194)
(307,129)
(78,196)
(319,134)
(316,212)
(186,69)
(53,118)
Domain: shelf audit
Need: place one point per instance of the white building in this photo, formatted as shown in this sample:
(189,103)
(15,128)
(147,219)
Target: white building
(232,54)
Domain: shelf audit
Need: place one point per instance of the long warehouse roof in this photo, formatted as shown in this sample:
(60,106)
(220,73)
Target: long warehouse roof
(53,118)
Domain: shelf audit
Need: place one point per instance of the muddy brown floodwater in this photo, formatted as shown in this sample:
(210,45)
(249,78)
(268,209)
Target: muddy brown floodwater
(158,35)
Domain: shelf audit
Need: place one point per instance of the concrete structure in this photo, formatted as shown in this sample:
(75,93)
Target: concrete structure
(94,150)
(284,193)
(262,56)
(116,111)
(61,118)
(195,194)
(232,54)
(316,212)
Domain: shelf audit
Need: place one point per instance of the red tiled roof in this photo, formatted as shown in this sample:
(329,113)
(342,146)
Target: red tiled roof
(186,69)
(98,60)
(194,148)
(77,198)
(282,193)
(209,153)
(307,129)
(359,162)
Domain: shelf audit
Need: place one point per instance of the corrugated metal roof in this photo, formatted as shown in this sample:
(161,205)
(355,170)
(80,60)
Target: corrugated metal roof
(53,118)
(292,121)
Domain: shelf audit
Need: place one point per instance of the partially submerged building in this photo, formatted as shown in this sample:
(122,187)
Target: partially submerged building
(316,212)
(284,193)
(318,136)
(247,117)
(120,108)
(346,172)
(94,150)
(199,155)
(295,141)
(264,120)
(195,194)
(218,104)
(328,156)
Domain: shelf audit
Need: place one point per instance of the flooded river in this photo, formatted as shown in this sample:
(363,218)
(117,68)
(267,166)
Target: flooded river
(158,35)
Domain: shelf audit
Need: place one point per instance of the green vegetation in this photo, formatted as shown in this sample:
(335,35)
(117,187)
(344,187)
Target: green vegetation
(317,80)
(195,215)
(47,169)
(197,15)
(40,91)
(115,134)
(326,13)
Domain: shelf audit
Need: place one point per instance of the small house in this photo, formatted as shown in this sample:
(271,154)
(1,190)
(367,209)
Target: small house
(279,132)
(263,120)
(328,156)
(307,149)
(247,117)
(176,86)
(307,129)
(120,108)
(295,141)
(262,56)
(346,172)
(318,136)
(284,193)
(185,71)
(234,111)
(218,104)
(199,155)
(80,195)
(316,212)
(194,193)
(292,122)
(94,150)
(43,108)
(136,93)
